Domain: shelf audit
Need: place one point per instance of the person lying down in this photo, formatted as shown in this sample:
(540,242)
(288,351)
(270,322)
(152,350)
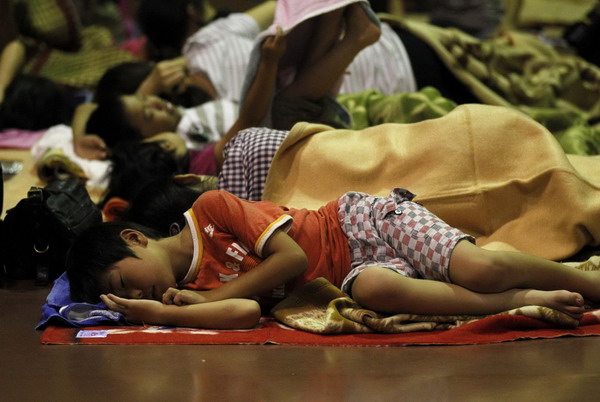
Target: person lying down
(388,253)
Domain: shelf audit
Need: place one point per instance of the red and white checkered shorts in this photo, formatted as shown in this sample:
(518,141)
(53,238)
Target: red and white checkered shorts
(394,232)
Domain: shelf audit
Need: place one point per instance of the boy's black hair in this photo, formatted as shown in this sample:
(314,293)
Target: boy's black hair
(133,164)
(160,203)
(34,103)
(93,252)
(110,123)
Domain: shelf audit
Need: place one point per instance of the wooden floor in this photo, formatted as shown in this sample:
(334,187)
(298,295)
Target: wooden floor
(565,369)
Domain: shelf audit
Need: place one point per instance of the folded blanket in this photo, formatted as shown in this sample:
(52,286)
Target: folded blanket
(322,308)
(489,171)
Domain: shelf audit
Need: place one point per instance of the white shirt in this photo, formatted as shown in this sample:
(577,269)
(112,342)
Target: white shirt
(207,123)
(222,51)
(384,66)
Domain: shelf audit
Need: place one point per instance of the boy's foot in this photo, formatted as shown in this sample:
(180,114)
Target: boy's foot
(570,303)
(360,28)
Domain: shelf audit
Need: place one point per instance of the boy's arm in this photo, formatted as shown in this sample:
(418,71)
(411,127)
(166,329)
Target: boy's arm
(224,314)
(256,104)
(284,261)
(86,146)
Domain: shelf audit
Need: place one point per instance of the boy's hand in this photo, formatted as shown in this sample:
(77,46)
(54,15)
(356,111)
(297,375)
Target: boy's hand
(167,76)
(274,46)
(184,297)
(135,310)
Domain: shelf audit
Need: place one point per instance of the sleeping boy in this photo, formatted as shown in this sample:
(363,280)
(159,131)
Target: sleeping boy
(388,253)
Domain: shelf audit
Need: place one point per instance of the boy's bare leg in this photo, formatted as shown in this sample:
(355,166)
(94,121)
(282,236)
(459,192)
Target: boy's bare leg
(496,271)
(384,290)
(318,79)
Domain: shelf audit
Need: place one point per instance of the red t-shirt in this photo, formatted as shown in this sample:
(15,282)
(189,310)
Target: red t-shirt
(229,235)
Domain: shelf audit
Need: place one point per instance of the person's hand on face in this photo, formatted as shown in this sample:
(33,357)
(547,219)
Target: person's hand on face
(168,76)
(171,143)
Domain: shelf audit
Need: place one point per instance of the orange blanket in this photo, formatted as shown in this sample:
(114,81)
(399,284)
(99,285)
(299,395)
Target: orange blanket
(489,170)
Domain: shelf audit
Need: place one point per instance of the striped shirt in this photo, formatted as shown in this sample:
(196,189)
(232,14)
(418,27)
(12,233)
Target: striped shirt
(248,157)
(383,66)
(221,50)
(206,123)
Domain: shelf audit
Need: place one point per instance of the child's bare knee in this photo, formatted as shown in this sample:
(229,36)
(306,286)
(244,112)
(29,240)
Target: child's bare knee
(373,288)
(483,271)
(366,286)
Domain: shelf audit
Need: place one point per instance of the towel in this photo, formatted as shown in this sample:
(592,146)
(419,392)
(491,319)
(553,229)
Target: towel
(60,309)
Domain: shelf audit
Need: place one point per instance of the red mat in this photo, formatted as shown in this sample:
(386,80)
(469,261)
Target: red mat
(488,330)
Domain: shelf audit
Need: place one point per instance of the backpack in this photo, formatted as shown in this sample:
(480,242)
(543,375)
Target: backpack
(38,231)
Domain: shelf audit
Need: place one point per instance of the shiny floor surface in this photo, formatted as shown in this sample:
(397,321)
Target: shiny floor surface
(565,369)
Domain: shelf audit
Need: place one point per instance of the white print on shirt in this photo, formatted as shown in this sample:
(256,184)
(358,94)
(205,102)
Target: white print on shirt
(227,278)
(209,229)
(236,253)
(232,265)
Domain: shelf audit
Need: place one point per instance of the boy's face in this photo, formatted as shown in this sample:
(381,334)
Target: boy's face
(151,115)
(146,277)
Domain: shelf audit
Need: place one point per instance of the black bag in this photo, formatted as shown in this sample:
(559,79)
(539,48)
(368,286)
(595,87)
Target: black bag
(40,228)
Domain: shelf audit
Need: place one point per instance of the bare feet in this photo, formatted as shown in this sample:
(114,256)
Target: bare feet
(570,303)
(360,28)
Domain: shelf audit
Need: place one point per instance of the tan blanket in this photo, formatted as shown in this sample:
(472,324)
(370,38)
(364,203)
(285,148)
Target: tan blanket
(322,308)
(488,170)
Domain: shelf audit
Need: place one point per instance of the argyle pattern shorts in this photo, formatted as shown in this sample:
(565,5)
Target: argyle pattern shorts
(395,233)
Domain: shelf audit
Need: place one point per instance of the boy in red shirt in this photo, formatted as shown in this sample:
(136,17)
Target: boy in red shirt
(389,253)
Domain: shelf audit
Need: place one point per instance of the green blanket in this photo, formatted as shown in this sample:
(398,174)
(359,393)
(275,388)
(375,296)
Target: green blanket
(517,70)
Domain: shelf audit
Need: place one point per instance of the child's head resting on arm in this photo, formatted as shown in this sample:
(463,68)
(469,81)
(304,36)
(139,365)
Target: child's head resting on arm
(94,252)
